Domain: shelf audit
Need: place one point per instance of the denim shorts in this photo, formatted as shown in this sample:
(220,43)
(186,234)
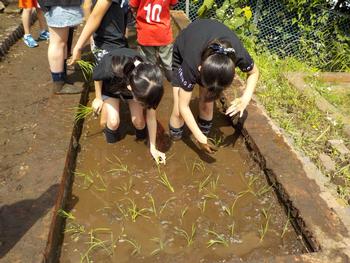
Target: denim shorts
(64,16)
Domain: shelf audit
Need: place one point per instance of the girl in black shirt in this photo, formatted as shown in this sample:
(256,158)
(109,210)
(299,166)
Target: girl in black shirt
(206,53)
(122,74)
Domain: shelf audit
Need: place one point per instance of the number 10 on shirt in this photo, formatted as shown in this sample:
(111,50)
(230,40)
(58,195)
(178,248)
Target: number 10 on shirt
(153,12)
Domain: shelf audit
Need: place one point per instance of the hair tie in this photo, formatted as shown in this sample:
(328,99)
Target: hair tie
(219,49)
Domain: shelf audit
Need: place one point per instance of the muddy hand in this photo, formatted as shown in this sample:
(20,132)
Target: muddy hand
(209,147)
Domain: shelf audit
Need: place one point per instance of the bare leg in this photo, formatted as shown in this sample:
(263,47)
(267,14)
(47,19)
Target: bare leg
(176,120)
(26,17)
(137,116)
(41,18)
(205,108)
(57,48)
(110,114)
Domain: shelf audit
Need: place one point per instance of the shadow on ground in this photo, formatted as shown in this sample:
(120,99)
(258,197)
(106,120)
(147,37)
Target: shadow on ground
(18,218)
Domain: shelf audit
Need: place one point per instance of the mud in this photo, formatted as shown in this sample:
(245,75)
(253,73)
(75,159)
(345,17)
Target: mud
(103,196)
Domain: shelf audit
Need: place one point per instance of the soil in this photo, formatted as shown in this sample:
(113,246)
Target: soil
(35,131)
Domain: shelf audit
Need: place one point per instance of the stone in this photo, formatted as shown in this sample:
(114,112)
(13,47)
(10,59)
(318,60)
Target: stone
(327,162)
(12,10)
(340,147)
(2,7)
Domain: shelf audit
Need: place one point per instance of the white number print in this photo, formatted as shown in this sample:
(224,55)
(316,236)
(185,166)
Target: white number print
(153,12)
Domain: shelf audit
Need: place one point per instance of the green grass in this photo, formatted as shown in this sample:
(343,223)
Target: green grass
(294,112)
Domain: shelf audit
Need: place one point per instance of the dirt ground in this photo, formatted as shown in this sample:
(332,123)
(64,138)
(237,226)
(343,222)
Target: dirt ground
(35,131)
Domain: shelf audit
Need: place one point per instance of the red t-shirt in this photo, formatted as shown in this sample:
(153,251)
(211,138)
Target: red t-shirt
(153,21)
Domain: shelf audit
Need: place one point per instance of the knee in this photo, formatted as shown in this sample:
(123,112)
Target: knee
(205,109)
(138,122)
(113,123)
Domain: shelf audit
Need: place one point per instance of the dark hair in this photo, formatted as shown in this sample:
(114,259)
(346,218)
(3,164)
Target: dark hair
(146,79)
(217,67)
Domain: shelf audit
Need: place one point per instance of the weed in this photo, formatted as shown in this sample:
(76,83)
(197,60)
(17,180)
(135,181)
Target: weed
(264,227)
(188,236)
(219,239)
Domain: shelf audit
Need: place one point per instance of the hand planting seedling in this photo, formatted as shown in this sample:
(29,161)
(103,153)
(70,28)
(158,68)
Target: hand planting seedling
(82,112)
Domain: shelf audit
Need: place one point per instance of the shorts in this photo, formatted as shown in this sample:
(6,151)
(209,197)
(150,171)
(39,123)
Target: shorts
(163,53)
(98,53)
(119,96)
(64,16)
(28,3)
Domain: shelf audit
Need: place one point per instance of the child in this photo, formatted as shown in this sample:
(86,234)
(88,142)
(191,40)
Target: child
(207,52)
(107,22)
(122,74)
(28,6)
(154,34)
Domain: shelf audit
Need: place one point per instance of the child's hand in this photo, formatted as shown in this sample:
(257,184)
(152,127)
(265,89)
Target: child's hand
(158,156)
(97,105)
(209,147)
(237,106)
(76,55)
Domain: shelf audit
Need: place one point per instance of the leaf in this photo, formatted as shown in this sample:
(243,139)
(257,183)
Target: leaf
(207,5)
(247,12)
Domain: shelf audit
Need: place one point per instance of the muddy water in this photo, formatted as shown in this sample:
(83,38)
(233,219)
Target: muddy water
(123,213)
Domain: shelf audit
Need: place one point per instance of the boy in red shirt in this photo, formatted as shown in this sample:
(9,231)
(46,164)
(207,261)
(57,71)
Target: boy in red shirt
(154,34)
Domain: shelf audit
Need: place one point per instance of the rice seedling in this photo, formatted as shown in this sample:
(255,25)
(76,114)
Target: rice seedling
(218,239)
(120,167)
(183,213)
(87,179)
(198,165)
(166,204)
(203,184)
(126,187)
(163,178)
(87,69)
(285,227)
(188,236)
(82,112)
(161,245)
(216,141)
(136,246)
(134,212)
(103,188)
(214,183)
(65,214)
(232,228)
(202,205)
(151,199)
(123,212)
(211,195)
(263,190)
(264,227)
(75,230)
(95,243)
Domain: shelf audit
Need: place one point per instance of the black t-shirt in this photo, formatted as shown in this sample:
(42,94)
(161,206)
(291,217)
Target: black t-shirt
(103,71)
(111,32)
(190,44)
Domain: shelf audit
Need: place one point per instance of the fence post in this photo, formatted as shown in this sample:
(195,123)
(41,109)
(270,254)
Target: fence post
(187,11)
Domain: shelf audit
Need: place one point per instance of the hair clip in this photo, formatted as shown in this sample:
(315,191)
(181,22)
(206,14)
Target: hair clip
(219,49)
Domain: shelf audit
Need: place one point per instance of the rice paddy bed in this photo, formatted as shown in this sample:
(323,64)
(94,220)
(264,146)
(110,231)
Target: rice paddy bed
(197,208)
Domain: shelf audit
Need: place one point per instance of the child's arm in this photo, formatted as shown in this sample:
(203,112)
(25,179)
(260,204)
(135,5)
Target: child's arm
(97,102)
(239,105)
(90,27)
(151,120)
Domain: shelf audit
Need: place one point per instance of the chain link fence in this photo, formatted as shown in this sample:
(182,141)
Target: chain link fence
(276,30)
